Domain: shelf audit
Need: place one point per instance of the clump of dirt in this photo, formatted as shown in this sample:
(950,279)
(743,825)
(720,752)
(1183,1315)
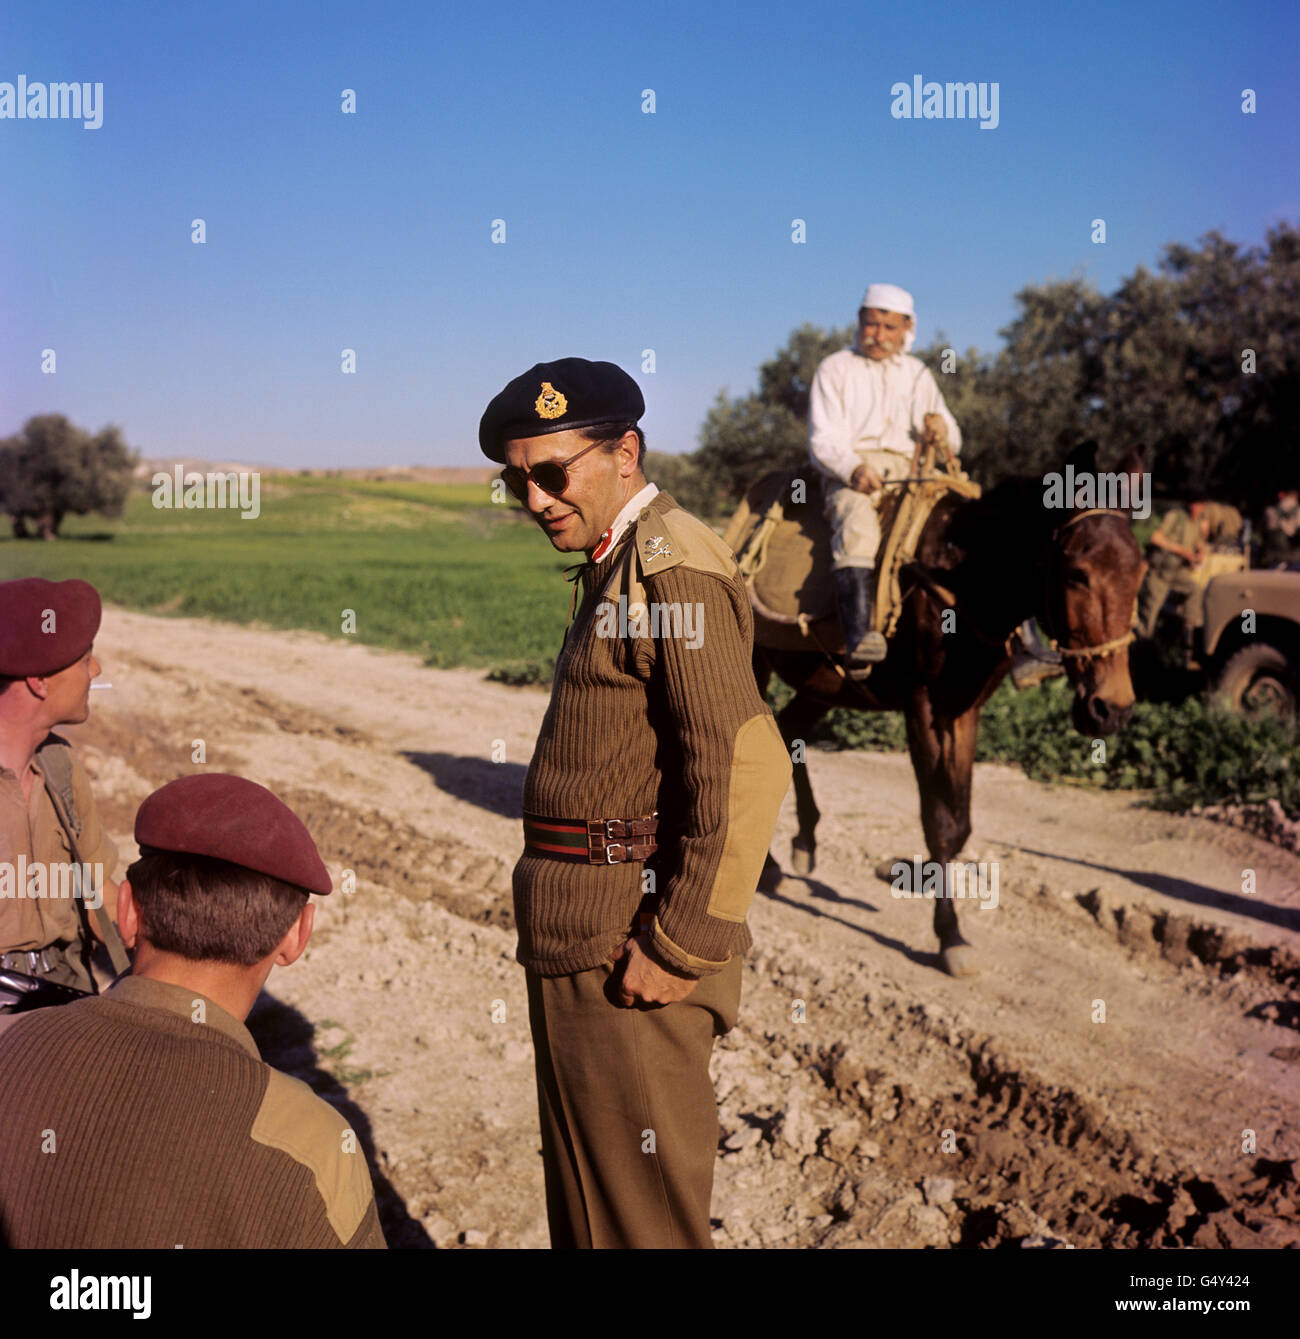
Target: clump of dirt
(1268,820)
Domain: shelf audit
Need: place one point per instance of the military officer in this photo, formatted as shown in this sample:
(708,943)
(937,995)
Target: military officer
(871,411)
(50,831)
(648,809)
(145,1117)
(1176,547)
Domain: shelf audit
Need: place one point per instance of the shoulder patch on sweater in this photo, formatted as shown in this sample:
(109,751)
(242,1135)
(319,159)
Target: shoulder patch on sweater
(297,1122)
(675,537)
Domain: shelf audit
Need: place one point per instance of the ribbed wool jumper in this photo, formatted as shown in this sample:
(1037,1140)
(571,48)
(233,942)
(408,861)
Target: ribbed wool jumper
(669,721)
(126,1123)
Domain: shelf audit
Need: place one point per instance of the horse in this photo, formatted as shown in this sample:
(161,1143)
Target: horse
(982,567)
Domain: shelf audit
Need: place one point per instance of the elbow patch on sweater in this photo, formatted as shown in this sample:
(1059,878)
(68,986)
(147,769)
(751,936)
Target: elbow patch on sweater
(297,1122)
(760,776)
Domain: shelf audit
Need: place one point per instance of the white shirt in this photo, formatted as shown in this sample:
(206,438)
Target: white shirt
(631,509)
(860,404)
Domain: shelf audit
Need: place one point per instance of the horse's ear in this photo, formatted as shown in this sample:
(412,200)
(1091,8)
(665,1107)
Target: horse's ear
(1084,457)
(1134,462)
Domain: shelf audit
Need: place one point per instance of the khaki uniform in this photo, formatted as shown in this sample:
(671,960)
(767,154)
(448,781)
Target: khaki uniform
(31,828)
(1171,572)
(170,1130)
(639,723)
(1224,522)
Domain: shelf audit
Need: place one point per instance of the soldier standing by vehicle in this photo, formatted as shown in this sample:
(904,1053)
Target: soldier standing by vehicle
(1176,546)
(872,409)
(648,810)
(47,812)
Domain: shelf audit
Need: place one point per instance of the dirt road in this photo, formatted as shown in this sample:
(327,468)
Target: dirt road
(1124,1071)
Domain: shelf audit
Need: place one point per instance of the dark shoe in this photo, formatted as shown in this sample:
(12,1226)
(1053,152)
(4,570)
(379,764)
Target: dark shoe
(862,647)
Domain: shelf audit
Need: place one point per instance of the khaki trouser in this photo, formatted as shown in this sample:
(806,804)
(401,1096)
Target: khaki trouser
(855,522)
(1156,586)
(613,1083)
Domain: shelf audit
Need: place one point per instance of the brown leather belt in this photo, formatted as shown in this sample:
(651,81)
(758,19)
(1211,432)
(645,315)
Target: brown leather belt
(591,841)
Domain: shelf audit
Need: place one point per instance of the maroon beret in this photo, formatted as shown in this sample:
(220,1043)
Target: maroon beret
(45,626)
(224,816)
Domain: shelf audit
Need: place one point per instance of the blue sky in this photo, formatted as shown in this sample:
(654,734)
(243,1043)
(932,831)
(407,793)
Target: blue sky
(624,231)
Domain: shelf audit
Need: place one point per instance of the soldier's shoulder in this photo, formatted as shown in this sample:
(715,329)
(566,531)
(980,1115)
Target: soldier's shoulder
(669,536)
(294,1120)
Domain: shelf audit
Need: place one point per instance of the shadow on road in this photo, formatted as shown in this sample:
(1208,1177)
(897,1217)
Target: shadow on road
(495,786)
(285,1038)
(1184,890)
(772,879)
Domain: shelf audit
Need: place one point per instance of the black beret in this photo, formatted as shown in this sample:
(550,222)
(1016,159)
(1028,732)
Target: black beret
(230,818)
(553,397)
(45,626)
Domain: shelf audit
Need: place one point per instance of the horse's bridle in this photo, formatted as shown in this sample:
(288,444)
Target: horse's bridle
(1083,654)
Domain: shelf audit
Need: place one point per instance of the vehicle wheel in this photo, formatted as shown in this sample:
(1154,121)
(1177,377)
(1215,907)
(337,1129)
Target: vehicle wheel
(1260,681)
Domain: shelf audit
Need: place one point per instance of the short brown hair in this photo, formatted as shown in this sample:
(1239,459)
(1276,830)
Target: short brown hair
(614,433)
(207,909)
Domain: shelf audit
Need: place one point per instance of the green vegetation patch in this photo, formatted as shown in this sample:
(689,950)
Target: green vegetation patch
(432,568)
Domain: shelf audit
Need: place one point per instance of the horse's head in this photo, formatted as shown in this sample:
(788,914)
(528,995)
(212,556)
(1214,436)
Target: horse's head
(1092,573)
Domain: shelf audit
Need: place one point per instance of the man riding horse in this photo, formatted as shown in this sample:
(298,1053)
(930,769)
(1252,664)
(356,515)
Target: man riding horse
(872,410)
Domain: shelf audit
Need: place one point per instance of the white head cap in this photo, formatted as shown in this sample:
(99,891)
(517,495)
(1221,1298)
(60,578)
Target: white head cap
(891,298)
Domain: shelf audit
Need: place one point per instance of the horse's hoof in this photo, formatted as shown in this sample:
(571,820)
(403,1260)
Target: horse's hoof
(959,960)
(771,876)
(802,856)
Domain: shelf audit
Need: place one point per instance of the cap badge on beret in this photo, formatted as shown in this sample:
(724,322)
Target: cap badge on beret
(550,403)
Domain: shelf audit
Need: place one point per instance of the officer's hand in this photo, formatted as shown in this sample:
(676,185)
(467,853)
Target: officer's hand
(865,479)
(644,981)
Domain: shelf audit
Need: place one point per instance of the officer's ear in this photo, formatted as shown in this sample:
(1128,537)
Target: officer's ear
(295,938)
(38,685)
(628,452)
(128,914)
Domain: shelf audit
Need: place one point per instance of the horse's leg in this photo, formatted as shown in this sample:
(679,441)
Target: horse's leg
(943,757)
(795,721)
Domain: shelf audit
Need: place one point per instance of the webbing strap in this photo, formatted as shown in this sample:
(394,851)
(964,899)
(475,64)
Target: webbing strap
(103,922)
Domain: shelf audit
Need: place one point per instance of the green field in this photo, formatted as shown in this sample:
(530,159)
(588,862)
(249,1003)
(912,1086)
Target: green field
(437,569)
(432,568)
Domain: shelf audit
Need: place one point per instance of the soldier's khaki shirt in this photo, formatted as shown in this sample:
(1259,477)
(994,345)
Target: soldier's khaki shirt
(1177,527)
(31,828)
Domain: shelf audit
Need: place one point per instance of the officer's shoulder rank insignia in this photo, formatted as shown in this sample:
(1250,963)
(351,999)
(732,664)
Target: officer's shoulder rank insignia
(657,548)
(550,403)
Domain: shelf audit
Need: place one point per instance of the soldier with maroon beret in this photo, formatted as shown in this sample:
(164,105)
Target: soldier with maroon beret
(57,894)
(171,1129)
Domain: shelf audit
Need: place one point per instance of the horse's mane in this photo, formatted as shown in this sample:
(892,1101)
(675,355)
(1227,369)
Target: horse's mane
(1004,517)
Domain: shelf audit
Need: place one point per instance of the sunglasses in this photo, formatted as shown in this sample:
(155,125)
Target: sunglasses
(551,476)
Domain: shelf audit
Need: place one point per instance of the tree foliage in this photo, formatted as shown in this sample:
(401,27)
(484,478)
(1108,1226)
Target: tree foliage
(52,468)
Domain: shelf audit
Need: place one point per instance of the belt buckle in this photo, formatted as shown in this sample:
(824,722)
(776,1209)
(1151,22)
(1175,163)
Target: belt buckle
(609,823)
(609,859)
